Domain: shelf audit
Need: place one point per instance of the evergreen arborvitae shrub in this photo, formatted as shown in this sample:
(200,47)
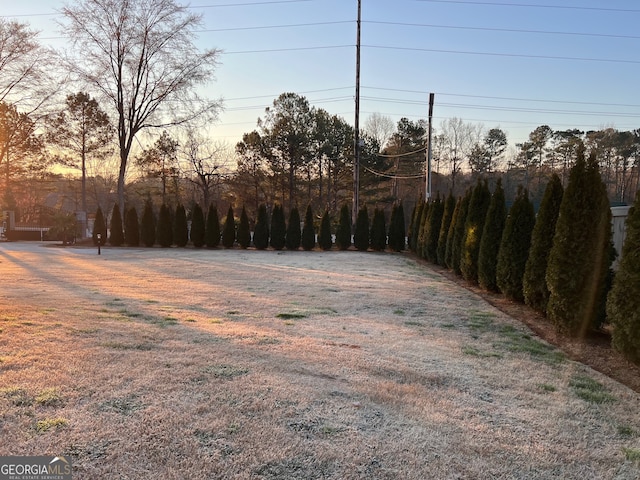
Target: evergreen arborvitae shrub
(579,258)
(343,233)
(244,230)
(391,231)
(361,235)
(421,241)
(278,228)
(229,230)
(261,230)
(534,283)
(415,227)
(411,228)
(131,228)
(308,231)
(181,227)
(294,237)
(212,232)
(491,238)
(433,230)
(397,232)
(197,226)
(458,234)
(473,228)
(164,232)
(148,225)
(514,247)
(378,234)
(447,215)
(324,237)
(623,305)
(99,227)
(448,256)
(116,237)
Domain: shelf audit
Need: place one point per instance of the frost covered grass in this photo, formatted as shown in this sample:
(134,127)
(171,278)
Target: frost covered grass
(178,363)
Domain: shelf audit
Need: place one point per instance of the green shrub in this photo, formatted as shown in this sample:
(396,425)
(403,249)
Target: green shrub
(361,235)
(421,241)
(324,237)
(99,227)
(414,230)
(623,305)
(244,231)
(293,238)
(397,230)
(261,231)
(458,233)
(229,230)
(378,234)
(132,228)
(434,223)
(514,246)
(278,228)
(116,235)
(164,233)
(181,228)
(447,216)
(491,238)
(147,232)
(197,226)
(579,258)
(343,233)
(308,231)
(448,255)
(473,228)
(534,283)
(212,231)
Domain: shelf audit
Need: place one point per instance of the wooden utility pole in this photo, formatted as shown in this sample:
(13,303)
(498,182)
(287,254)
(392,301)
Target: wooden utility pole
(356,162)
(429,151)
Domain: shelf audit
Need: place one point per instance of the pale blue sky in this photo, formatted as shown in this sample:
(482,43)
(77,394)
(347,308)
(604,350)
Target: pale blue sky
(486,61)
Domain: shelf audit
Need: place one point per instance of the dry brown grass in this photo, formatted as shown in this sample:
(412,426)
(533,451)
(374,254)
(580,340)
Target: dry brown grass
(183,364)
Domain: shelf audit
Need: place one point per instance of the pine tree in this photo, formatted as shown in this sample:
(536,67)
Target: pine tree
(491,238)
(361,235)
(261,230)
(415,227)
(449,207)
(579,256)
(623,305)
(229,231)
(212,232)
(293,238)
(378,234)
(117,235)
(181,227)
(99,227)
(324,237)
(278,228)
(244,231)
(147,230)
(458,234)
(433,230)
(308,231)
(473,228)
(164,232)
(514,246)
(197,226)
(343,233)
(132,228)
(534,283)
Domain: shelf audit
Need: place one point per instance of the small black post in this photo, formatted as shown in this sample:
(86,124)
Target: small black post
(99,242)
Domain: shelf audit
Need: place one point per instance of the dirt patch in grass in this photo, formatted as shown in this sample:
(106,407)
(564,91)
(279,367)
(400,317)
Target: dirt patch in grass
(178,363)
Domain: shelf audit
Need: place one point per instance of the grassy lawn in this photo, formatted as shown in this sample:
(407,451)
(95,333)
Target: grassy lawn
(176,364)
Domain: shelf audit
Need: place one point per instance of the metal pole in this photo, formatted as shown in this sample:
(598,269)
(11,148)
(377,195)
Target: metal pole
(429,151)
(356,163)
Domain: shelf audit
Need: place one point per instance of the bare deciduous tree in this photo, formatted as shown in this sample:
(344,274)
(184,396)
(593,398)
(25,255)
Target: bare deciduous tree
(140,56)
(380,127)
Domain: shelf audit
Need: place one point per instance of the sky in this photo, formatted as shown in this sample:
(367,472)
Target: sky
(511,64)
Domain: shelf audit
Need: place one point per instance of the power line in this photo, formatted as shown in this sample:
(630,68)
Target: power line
(497,54)
(267,27)
(247,4)
(292,49)
(505,30)
(531,5)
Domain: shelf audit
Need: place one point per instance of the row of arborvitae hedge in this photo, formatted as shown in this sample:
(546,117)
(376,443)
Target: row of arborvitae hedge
(558,263)
(171,228)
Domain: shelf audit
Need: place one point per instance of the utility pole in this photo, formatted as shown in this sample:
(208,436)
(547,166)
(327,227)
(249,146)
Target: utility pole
(356,146)
(429,150)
